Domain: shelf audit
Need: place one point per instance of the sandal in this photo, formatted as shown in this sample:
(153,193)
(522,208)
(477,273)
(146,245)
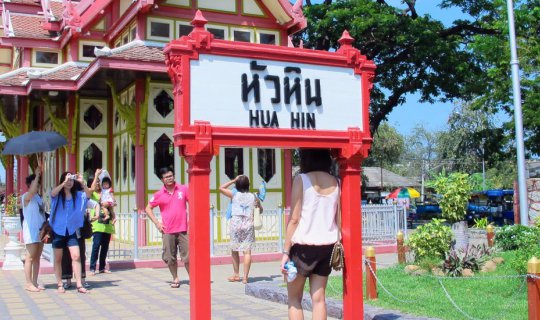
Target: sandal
(82,290)
(105,271)
(175,285)
(233,279)
(245,280)
(32,289)
(61,288)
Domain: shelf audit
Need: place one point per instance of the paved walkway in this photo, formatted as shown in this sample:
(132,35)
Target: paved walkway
(135,294)
(140,294)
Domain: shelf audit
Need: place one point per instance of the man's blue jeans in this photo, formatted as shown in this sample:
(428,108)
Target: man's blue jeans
(101,241)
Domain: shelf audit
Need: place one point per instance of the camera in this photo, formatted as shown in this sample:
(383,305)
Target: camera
(72,177)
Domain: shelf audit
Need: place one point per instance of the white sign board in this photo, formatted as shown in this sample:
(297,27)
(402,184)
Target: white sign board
(241,92)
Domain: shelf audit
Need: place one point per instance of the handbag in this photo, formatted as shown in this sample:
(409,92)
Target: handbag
(338,254)
(257,219)
(45,232)
(86,230)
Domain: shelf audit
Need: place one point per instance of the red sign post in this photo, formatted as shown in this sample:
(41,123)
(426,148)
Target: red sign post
(243,94)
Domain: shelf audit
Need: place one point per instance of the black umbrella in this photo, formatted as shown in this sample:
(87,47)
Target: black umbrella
(34,142)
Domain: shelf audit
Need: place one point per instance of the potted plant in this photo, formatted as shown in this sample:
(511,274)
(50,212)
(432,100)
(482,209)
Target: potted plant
(455,190)
(12,224)
(11,213)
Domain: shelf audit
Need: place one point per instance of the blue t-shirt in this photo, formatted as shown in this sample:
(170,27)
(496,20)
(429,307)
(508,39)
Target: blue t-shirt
(67,216)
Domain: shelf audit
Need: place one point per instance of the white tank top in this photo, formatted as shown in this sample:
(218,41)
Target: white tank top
(317,224)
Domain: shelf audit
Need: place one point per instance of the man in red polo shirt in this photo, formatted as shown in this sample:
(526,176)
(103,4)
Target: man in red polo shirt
(171,200)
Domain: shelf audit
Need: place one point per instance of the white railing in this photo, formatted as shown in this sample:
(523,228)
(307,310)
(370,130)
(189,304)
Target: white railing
(380,224)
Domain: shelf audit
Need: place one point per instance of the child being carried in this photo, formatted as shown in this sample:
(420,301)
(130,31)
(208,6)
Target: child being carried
(106,199)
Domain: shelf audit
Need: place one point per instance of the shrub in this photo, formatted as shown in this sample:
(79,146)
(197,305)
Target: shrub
(481,223)
(431,240)
(523,255)
(455,190)
(517,237)
(470,258)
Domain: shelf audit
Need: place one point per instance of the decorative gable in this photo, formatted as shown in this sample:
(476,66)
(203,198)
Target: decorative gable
(251,7)
(223,5)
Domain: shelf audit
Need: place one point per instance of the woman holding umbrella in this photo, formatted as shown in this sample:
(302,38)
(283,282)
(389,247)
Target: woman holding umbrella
(34,216)
(68,208)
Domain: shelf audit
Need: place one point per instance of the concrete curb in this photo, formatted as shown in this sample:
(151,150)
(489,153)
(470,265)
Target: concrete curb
(275,292)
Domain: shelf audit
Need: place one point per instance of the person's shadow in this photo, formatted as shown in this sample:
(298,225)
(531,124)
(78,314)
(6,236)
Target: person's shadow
(265,278)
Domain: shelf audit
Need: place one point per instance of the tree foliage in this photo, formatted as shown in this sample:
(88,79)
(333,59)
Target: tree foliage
(468,60)
(388,146)
(413,54)
(494,53)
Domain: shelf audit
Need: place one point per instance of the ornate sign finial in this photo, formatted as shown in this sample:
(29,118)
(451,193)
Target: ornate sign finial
(346,40)
(199,21)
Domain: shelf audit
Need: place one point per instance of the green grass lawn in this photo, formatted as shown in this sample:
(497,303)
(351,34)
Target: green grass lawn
(479,297)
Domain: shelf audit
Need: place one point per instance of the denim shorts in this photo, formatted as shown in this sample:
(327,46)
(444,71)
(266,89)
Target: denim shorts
(60,242)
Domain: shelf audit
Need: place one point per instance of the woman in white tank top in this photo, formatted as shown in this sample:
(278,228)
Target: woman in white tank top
(312,230)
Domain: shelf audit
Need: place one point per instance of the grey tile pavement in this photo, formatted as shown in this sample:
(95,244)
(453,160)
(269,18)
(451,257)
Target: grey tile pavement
(145,294)
(136,294)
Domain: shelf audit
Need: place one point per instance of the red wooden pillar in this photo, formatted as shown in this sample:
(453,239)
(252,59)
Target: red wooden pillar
(140,159)
(23,175)
(287,171)
(72,138)
(23,160)
(199,221)
(533,288)
(9,175)
(351,221)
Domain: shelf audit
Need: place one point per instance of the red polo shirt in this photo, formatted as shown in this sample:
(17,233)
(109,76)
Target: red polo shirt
(173,208)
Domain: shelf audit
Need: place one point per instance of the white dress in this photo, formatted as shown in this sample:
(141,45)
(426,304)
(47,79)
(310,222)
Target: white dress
(33,219)
(241,225)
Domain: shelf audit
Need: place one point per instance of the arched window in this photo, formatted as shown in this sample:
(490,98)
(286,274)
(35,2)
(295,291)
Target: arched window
(124,162)
(267,163)
(117,164)
(92,160)
(234,162)
(163,154)
(132,162)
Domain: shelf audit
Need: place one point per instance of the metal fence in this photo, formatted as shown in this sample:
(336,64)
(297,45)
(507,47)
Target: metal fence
(380,224)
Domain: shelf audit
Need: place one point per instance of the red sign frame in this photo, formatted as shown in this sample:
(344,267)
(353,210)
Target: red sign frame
(200,141)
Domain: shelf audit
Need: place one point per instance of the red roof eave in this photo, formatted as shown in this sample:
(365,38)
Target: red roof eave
(22,7)
(14,90)
(108,63)
(40,84)
(87,74)
(29,43)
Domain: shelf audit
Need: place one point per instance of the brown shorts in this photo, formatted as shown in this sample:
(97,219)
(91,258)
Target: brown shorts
(172,243)
(312,259)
